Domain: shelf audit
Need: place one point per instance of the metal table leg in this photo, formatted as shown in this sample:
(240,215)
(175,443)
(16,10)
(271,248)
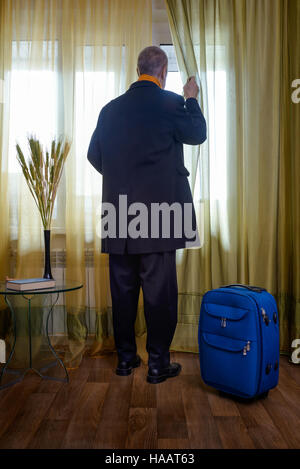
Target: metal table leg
(40,371)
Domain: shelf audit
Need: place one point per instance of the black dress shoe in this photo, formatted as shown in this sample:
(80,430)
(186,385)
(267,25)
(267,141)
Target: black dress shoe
(125,368)
(159,375)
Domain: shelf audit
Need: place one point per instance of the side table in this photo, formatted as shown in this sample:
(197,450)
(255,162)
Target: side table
(28,344)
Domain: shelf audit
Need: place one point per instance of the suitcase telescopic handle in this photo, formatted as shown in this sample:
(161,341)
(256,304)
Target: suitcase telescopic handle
(249,287)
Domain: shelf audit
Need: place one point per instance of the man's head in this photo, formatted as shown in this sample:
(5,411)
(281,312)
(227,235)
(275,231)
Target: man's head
(153,61)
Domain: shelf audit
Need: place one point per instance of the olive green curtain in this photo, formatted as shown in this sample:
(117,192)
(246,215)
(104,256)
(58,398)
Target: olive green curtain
(245,56)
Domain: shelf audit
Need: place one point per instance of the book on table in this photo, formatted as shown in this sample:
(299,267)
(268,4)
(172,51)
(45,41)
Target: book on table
(30,284)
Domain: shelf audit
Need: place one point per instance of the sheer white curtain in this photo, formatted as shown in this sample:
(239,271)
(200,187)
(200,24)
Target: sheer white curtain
(61,61)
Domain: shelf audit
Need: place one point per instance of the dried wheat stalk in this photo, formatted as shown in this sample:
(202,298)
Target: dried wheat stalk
(43,172)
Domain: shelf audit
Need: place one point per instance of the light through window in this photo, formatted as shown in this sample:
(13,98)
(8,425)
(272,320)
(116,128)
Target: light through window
(33,110)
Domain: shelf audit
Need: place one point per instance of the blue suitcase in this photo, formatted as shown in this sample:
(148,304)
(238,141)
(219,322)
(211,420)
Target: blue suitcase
(239,340)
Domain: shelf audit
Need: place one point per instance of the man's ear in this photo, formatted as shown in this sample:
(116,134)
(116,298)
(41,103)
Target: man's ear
(137,71)
(165,70)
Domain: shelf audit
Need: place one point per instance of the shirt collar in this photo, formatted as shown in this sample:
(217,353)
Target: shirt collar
(146,77)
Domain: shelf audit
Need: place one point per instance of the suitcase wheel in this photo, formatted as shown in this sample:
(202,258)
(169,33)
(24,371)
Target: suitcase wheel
(264,395)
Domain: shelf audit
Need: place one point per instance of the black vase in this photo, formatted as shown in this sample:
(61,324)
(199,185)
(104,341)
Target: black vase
(47,270)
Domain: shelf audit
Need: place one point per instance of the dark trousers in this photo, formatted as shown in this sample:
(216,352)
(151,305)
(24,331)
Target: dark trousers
(156,274)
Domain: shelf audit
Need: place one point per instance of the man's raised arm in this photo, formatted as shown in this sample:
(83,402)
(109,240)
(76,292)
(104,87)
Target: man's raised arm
(190,124)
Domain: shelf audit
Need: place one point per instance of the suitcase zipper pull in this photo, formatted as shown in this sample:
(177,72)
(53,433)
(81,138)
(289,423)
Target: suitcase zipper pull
(246,348)
(223,322)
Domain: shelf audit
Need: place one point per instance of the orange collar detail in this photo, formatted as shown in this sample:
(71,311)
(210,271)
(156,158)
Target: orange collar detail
(150,78)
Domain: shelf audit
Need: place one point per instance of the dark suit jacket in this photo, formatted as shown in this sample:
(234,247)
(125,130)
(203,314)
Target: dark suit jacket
(138,148)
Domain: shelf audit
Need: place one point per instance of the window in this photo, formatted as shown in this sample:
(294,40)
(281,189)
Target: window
(34,109)
(174,82)
(33,101)
(94,88)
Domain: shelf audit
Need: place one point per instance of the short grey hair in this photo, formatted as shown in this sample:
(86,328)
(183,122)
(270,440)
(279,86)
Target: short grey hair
(151,60)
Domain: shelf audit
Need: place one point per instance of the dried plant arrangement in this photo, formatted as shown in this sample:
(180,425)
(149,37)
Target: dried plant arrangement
(43,172)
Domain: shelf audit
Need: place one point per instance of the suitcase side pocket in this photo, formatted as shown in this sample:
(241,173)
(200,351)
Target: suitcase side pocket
(228,364)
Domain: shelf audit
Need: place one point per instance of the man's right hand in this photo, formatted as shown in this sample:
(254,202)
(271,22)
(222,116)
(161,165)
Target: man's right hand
(191,89)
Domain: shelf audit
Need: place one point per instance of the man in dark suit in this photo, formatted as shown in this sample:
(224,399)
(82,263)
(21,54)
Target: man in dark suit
(138,148)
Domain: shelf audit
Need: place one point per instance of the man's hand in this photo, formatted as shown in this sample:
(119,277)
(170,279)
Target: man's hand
(191,89)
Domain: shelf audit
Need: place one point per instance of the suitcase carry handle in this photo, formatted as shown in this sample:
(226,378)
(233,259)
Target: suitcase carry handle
(249,287)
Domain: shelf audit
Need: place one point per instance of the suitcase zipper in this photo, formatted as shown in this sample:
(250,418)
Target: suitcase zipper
(247,348)
(244,349)
(223,322)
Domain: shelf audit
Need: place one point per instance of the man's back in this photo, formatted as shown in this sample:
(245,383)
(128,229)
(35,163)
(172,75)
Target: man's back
(137,146)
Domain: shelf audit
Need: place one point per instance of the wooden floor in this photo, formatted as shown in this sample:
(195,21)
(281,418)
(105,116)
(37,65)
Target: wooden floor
(98,409)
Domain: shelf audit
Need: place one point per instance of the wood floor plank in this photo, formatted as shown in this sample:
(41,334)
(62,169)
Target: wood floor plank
(202,429)
(290,390)
(163,443)
(143,393)
(113,425)
(189,362)
(222,406)
(49,435)
(108,361)
(84,422)
(171,420)
(233,433)
(68,395)
(4,392)
(48,386)
(291,368)
(142,429)
(14,398)
(100,375)
(260,426)
(283,418)
(27,421)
